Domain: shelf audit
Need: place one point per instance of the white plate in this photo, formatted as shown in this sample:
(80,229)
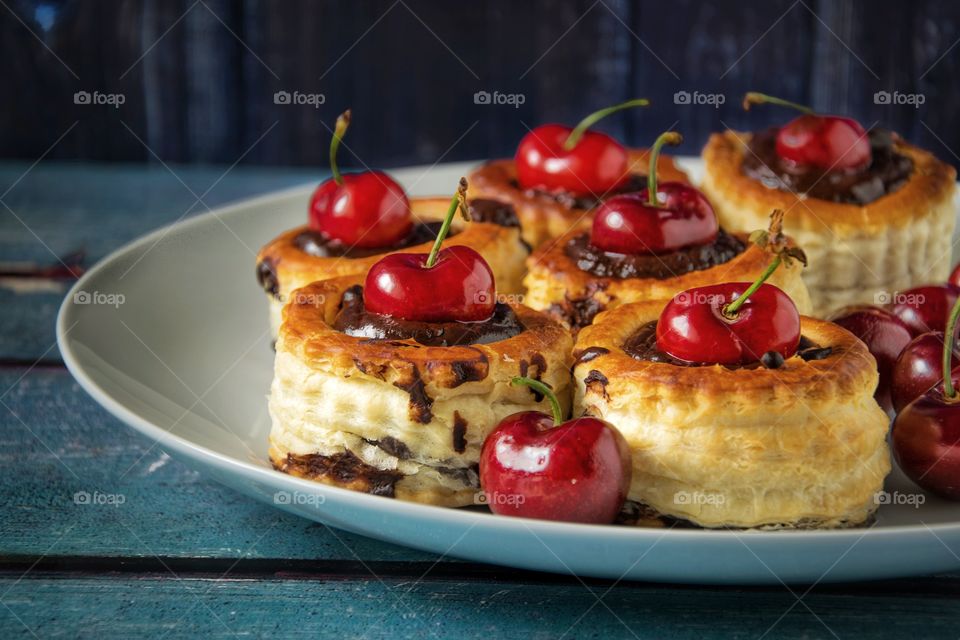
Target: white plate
(173,340)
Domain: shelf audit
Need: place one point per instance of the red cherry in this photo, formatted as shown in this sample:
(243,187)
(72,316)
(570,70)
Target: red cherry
(578,161)
(954,278)
(925,308)
(532,466)
(885,336)
(926,434)
(823,141)
(918,368)
(694,328)
(366,209)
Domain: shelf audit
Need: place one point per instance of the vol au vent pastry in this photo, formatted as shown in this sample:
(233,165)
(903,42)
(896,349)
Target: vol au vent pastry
(559,174)
(874,213)
(303,255)
(782,442)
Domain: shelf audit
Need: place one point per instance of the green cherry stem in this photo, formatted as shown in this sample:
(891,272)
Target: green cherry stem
(343,123)
(948,389)
(753,98)
(730,311)
(596,117)
(547,392)
(459,201)
(667,137)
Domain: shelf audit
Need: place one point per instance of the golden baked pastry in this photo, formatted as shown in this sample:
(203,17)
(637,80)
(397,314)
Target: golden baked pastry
(803,445)
(545,215)
(397,417)
(557,284)
(300,256)
(857,252)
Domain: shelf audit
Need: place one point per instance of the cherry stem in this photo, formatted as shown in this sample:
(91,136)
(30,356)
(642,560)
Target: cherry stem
(948,390)
(459,201)
(730,311)
(667,137)
(547,392)
(753,97)
(343,122)
(596,117)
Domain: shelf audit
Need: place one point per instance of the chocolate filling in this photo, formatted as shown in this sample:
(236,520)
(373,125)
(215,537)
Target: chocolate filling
(494,212)
(354,320)
(319,245)
(642,345)
(267,277)
(634,182)
(887,171)
(590,353)
(459,432)
(605,264)
(343,468)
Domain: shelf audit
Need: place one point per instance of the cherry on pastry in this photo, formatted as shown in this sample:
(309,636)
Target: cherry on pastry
(553,157)
(446,285)
(824,141)
(925,308)
(535,466)
(919,367)
(885,336)
(926,433)
(659,219)
(367,209)
(735,323)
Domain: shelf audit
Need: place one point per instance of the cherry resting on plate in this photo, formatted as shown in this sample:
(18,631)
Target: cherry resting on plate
(735,323)
(659,219)
(925,308)
(827,142)
(446,285)
(535,466)
(926,434)
(919,367)
(366,209)
(885,336)
(578,161)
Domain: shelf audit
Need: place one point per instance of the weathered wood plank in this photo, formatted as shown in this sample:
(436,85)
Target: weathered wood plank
(64,605)
(57,445)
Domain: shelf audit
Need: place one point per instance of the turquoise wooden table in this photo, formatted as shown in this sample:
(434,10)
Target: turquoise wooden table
(103,535)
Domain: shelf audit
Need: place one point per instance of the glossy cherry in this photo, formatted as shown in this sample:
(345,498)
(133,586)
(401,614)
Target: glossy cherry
(446,285)
(577,161)
(954,278)
(824,141)
(925,308)
(639,223)
(367,209)
(885,336)
(535,466)
(926,433)
(919,367)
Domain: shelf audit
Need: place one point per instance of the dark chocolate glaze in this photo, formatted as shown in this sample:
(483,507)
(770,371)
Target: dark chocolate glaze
(354,320)
(538,363)
(590,353)
(642,345)
(343,468)
(493,211)
(267,277)
(595,380)
(579,312)
(634,182)
(459,433)
(605,264)
(318,245)
(887,171)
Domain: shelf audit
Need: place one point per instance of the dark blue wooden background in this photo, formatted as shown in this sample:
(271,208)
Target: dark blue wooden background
(198,77)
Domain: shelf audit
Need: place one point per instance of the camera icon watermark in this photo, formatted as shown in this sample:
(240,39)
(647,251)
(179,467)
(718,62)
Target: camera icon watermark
(298,498)
(914,500)
(898,98)
(97,98)
(699,498)
(96,297)
(496,98)
(697,98)
(96,499)
(495,497)
(297,98)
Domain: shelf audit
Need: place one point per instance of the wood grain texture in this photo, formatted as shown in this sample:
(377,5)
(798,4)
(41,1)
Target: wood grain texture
(199,77)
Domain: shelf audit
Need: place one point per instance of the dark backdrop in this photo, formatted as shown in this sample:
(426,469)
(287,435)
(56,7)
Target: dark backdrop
(198,78)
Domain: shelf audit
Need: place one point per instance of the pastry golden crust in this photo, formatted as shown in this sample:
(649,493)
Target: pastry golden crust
(856,252)
(542,216)
(395,417)
(557,285)
(799,446)
(292,268)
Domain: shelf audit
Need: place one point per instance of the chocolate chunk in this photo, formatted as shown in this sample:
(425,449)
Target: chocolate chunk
(494,212)
(596,379)
(459,433)
(420,403)
(393,446)
(344,469)
(267,277)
